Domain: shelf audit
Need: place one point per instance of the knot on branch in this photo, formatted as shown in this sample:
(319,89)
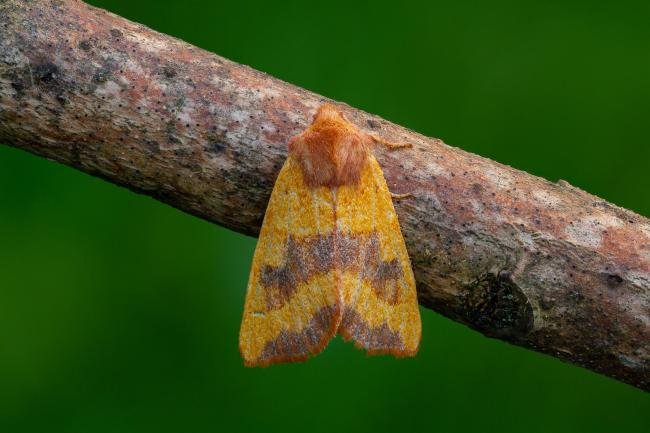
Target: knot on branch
(497,307)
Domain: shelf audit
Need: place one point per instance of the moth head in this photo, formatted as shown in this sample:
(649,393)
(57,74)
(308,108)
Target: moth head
(331,151)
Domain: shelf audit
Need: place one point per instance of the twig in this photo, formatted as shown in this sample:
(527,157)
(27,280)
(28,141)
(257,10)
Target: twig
(542,265)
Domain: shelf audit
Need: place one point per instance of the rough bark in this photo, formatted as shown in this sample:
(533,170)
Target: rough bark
(539,264)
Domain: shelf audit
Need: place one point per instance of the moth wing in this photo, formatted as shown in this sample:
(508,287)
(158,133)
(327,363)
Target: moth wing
(292,306)
(380,311)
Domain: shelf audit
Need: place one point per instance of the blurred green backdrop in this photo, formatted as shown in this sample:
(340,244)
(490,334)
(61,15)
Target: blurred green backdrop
(120,314)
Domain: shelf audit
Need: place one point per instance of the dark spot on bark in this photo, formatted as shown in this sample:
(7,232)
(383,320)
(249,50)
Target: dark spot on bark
(179,103)
(18,85)
(75,155)
(170,130)
(116,33)
(182,152)
(497,307)
(46,73)
(153,146)
(546,302)
(102,74)
(372,124)
(169,72)
(576,296)
(613,280)
(214,147)
(85,45)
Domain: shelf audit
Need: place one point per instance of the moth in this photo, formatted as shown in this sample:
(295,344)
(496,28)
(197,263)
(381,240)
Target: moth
(330,256)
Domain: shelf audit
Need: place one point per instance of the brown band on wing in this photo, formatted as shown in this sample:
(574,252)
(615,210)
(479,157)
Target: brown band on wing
(318,254)
(376,340)
(291,346)
(380,272)
(362,254)
(304,259)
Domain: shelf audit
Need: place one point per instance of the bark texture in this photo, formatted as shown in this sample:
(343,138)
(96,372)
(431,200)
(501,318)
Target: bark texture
(539,264)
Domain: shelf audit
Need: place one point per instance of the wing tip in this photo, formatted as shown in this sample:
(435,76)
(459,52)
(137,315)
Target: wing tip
(377,340)
(322,328)
(398,351)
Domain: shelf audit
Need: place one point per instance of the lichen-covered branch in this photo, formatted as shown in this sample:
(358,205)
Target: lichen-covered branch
(542,265)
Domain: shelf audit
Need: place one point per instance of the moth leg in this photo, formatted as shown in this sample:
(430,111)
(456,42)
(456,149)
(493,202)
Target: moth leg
(396,196)
(379,140)
(389,144)
(392,145)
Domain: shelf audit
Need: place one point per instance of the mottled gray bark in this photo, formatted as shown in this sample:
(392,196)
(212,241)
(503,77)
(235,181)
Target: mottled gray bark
(542,265)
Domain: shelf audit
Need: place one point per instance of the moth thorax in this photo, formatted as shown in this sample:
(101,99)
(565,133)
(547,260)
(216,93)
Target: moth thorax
(332,152)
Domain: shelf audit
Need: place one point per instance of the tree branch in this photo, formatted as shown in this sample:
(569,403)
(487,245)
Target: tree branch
(542,265)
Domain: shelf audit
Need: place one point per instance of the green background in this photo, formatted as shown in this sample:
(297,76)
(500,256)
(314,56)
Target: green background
(120,314)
